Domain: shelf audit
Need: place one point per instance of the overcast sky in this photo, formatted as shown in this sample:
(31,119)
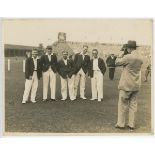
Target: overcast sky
(35,31)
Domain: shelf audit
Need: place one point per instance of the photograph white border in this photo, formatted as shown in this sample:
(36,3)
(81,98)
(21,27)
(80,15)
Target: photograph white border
(79,145)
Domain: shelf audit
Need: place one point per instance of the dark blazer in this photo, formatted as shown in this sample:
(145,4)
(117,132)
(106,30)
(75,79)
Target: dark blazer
(29,68)
(101,66)
(111,62)
(66,70)
(81,63)
(45,63)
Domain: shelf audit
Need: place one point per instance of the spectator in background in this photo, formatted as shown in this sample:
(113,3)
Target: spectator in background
(66,72)
(129,85)
(81,61)
(148,70)
(97,69)
(111,65)
(33,73)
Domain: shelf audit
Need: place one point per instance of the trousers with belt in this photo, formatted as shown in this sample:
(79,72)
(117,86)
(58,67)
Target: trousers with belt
(31,85)
(97,85)
(49,75)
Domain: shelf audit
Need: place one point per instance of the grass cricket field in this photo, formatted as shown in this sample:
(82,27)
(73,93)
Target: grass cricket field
(80,116)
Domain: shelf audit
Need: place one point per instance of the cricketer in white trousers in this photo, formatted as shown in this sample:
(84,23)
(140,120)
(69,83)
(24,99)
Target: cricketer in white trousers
(80,76)
(49,75)
(70,82)
(97,85)
(31,85)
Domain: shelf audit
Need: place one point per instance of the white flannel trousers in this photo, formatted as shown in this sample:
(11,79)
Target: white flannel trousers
(80,76)
(49,75)
(97,85)
(31,85)
(70,82)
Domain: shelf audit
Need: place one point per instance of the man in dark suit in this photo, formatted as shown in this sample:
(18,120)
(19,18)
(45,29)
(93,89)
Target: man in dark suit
(66,72)
(32,74)
(111,64)
(49,68)
(81,61)
(97,69)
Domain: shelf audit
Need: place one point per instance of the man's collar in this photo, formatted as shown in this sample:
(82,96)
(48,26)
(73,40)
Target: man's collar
(82,53)
(48,54)
(35,58)
(95,58)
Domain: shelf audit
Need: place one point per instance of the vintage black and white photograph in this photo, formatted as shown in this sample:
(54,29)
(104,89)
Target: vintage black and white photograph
(77,76)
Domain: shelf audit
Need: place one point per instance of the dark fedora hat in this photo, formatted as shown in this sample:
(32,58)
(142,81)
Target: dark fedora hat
(131,44)
(49,47)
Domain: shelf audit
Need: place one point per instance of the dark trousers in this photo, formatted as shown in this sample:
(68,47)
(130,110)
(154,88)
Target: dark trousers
(111,73)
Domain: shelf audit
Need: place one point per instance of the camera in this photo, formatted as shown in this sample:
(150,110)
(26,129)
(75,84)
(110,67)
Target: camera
(125,51)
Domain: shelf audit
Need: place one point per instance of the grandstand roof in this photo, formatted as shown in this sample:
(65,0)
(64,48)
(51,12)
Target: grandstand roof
(18,47)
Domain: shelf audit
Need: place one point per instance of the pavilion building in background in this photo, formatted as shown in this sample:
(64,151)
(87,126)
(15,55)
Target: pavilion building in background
(11,50)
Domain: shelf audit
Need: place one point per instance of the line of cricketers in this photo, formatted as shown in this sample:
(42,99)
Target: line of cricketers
(73,71)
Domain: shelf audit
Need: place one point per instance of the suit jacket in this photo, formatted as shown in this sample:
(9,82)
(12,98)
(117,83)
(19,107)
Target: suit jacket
(81,63)
(111,62)
(29,68)
(101,66)
(66,70)
(131,75)
(46,64)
